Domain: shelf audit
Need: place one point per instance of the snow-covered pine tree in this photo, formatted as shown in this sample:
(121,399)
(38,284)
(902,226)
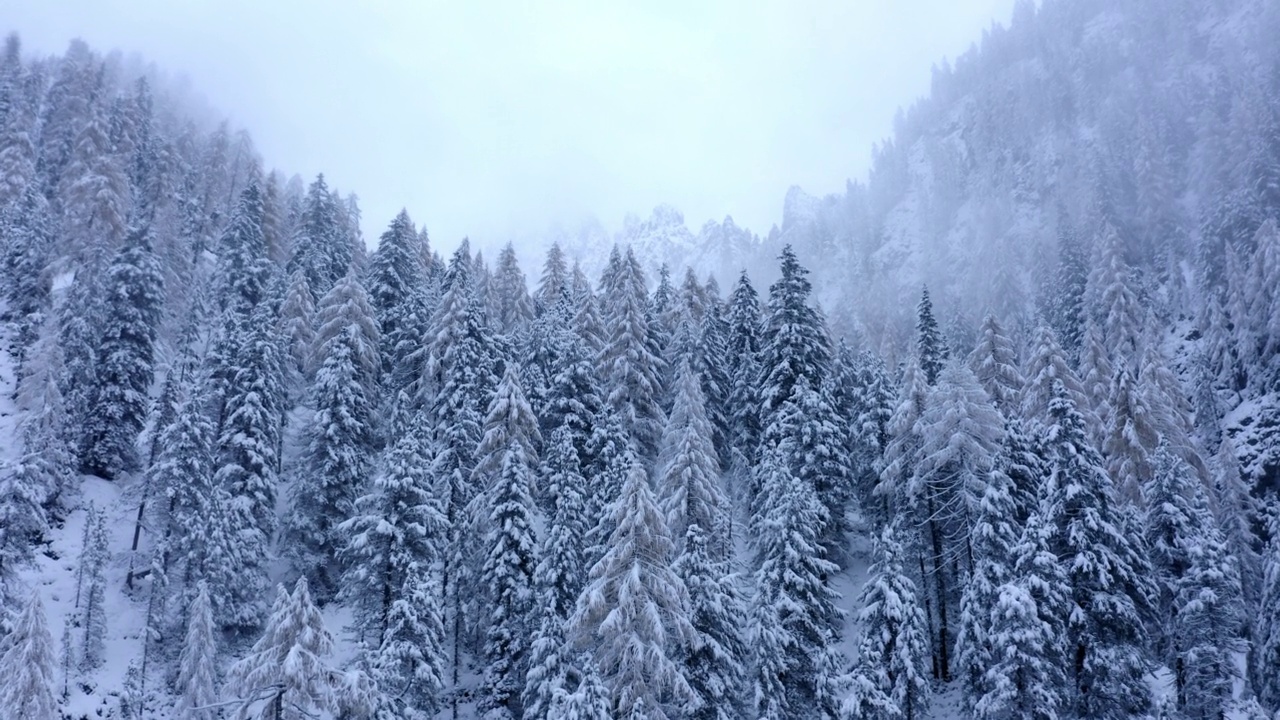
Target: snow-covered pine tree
(285,672)
(341,435)
(794,343)
(1198,607)
(93,563)
(27,685)
(515,307)
(931,349)
(794,605)
(629,361)
(1096,372)
(995,363)
(589,701)
(396,539)
(555,279)
(960,435)
(198,663)
(297,332)
(125,355)
(80,321)
(243,271)
(689,488)
(1107,572)
(742,349)
(1046,364)
(559,577)
(715,660)
(1131,436)
(22,523)
(1027,677)
(1265,663)
(902,451)
(890,677)
(633,613)
(27,229)
(321,249)
(393,278)
(506,467)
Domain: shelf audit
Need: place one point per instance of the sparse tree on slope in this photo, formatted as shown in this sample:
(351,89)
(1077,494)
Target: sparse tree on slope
(26,688)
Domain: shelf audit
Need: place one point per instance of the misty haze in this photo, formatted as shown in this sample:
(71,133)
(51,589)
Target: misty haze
(640,361)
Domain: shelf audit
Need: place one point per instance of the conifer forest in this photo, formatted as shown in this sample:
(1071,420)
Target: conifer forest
(994,433)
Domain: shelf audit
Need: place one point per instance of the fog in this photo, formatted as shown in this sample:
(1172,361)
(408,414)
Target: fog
(496,119)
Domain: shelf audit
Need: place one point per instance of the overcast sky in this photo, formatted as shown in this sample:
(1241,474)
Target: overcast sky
(485,118)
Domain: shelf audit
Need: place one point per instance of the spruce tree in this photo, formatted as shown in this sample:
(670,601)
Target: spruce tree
(794,606)
(689,482)
(26,688)
(395,539)
(286,671)
(126,353)
(890,678)
(555,279)
(794,343)
(742,348)
(633,612)
(197,665)
(715,660)
(341,435)
(930,347)
(93,566)
(1107,573)
(394,278)
(629,361)
(1266,653)
(514,306)
(995,363)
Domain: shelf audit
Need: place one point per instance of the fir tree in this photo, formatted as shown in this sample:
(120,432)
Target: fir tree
(285,669)
(1266,654)
(243,272)
(197,665)
(26,689)
(125,357)
(341,435)
(515,307)
(93,564)
(633,611)
(555,278)
(742,348)
(995,363)
(689,484)
(1106,572)
(394,277)
(590,701)
(794,343)
(630,363)
(890,678)
(794,607)
(930,348)
(715,661)
(396,538)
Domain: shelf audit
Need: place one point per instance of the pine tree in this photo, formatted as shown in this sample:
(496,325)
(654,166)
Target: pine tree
(630,363)
(93,564)
(560,575)
(197,665)
(1068,311)
(1199,601)
(742,348)
(286,669)
(321,249)
(341,435)
(1027,630)
(27,228)
(930,348)
(995,363)
(1106,571)
(890,678)
(689,482)
(555,279)
(22,522)
(903,449)
(590,701)
(515,307)
(1266,654)
(1131,437)
(715,661)
(126,353)
(794,343)
(794,607)
(506,468)
(297,330)
(1048,364)
(243,271)
(26,689)
(394,277)
(633,611)
(396,538)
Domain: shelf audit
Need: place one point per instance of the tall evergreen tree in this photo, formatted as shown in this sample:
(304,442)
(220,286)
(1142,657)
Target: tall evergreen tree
(930,347)
(26,689)
(126,355)
(890,678)
(794,343)
(715,660)
(633,612)
(629,360)
(341,435)
(514,306)
(197,665)
(1106,571)
(689,482)
(742,349)
(794,606)
(995,363)
(394,277)
(555,278)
